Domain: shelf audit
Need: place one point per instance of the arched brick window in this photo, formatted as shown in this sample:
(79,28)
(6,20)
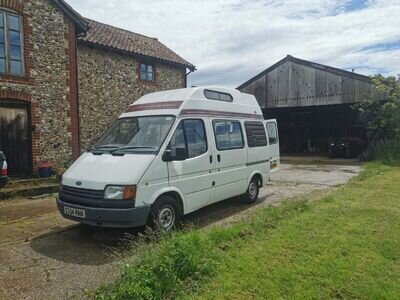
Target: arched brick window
(11,43)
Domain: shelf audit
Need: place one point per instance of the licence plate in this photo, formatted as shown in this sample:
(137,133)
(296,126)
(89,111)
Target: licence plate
(274,165)
(74,212)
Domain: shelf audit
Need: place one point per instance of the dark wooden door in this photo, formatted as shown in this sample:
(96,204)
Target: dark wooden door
(15,137)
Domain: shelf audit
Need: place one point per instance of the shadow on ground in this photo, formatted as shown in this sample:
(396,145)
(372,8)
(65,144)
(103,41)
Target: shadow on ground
(99,246)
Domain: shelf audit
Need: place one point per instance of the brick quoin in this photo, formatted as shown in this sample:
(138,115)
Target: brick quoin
(35,120)
(17,5)
(72,97)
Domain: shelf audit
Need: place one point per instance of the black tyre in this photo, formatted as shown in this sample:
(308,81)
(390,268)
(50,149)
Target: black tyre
(165,213)
(252,192)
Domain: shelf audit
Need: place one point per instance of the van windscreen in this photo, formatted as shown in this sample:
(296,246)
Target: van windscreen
(135,134)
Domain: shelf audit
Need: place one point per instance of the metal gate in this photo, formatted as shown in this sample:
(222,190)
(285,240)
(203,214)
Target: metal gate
(16,137)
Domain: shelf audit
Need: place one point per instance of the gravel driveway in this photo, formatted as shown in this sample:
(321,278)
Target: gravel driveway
(43,256)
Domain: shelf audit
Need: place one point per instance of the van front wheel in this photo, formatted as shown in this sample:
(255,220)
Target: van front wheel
(165,213)
(252,192)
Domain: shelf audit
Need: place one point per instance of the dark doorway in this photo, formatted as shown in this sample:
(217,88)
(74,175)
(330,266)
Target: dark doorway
(16,137)
(308,129)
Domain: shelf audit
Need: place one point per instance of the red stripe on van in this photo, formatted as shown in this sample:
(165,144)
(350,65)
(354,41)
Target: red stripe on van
(216,113)
(155,105)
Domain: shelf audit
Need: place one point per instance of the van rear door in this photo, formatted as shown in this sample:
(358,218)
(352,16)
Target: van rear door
(271,127)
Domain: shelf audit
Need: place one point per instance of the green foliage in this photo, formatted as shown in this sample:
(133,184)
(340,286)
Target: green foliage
(385,150)
(382,112)
(383,109)
(163,268)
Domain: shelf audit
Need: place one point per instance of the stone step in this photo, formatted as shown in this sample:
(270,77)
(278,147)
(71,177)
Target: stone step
(18,182)
(30,190)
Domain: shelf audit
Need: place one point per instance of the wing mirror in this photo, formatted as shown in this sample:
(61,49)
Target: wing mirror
(180,155)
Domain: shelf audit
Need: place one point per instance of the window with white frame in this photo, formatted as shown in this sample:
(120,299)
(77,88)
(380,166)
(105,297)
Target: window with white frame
(11,53)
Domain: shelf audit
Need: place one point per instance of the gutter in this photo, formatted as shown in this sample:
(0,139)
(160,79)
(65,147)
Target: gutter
(187,74)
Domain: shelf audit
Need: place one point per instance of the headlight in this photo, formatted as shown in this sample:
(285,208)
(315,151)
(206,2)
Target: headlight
(120,192)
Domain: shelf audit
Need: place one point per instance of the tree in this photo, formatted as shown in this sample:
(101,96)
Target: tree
(382,109)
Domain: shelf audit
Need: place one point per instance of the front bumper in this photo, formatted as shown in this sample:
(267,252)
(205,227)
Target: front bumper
(108,217)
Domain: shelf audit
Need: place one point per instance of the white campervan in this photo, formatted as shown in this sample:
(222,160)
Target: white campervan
(169,154)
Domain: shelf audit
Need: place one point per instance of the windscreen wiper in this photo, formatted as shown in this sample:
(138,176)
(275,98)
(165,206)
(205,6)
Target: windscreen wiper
(131,148)
(105,147)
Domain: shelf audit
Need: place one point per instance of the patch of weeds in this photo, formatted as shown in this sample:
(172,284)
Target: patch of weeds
(178,260)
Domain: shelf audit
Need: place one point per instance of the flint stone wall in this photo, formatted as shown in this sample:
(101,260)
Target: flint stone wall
(109,82)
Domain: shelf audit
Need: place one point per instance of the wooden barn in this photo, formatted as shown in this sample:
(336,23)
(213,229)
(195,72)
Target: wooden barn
(312,102)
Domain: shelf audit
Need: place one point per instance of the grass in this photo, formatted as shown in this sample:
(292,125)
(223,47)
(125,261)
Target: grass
(345,245)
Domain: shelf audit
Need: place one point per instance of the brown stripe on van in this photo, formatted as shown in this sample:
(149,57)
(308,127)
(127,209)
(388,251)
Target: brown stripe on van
(216,113)
(155,105)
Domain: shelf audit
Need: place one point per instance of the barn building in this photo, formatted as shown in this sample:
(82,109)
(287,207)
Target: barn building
(312,102)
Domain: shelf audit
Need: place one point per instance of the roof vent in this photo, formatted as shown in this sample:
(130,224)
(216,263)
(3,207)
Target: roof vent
(220,96)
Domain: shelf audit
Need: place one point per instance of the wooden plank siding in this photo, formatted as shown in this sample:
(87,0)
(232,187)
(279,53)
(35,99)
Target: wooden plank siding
(294,84)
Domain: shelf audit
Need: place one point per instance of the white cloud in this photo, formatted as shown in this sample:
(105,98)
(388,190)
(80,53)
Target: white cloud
(232,40)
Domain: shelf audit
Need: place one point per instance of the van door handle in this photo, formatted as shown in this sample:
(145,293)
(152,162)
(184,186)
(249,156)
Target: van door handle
(219,158)
(211,159)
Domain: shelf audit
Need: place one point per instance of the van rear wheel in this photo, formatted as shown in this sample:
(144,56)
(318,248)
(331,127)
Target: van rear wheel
(165,213)
(252,192)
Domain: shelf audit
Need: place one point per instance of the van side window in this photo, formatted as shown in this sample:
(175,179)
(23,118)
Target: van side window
(214,95)
(228,135)
(272,133)
(256,136)
(178,139)
(196,137)
(190,135)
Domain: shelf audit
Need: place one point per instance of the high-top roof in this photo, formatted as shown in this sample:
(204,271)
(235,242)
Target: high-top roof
(197,101)
(131,42)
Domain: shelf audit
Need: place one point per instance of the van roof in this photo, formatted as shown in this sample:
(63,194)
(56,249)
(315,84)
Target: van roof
(205,101)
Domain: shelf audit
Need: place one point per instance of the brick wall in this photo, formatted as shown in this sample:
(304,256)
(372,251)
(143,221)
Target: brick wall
(72,83)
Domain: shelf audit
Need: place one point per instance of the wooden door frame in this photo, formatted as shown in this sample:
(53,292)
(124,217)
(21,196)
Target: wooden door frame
(15,103)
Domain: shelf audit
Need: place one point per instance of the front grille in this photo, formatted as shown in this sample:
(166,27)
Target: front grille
(90,198)
(68,191)
(84,197)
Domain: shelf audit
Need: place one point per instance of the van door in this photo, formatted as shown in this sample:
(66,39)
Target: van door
(273,144)
(231,156)
(194,176)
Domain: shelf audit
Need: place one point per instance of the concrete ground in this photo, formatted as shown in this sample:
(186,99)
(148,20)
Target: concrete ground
(43,256)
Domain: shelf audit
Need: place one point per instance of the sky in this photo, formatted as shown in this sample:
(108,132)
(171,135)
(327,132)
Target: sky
(230,41)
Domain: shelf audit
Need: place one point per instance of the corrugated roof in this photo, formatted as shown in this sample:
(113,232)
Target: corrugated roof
(131,42)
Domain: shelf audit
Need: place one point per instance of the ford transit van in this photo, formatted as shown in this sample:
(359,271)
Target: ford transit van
(169,154)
